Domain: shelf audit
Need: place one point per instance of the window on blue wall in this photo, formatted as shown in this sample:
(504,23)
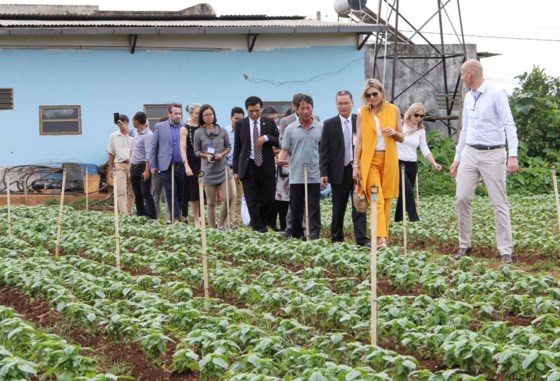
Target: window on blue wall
(281,106)
(60,120)
(155,112)
(6,99)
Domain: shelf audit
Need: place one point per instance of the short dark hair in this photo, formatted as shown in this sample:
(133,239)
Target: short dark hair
(296,98)
(344,92)
(305,98)
(163,119)
(172,105)
(140,117)
(288,112)
(268,110)
(203,108)
(123,118)
(253,101)
(237,110)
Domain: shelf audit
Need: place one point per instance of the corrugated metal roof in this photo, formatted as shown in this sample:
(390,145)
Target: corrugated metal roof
(145,16)
(218,26)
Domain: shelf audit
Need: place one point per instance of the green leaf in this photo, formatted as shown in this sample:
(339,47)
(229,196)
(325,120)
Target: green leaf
(530,358)
(220,362)
(352,375)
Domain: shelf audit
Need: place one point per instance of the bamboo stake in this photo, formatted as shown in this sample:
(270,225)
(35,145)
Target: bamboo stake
(203,236)
(172,194)
(24,181)
(9,205)
(59,230)
(403,187)
(417,195)
(307,233)
(116,208)
(87,189)
(556,194)
(227,194)
(373,264)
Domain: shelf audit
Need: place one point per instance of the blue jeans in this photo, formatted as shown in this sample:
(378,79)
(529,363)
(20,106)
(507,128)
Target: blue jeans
(179,170)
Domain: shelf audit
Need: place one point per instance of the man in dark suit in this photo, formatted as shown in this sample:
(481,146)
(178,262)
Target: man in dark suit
(253,161)
(336,157)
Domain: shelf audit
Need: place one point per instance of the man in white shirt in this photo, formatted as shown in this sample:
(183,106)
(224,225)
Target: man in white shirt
(119,149)
(481,153)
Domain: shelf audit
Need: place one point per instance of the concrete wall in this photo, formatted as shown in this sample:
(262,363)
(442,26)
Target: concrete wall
(410,69)
(107,81)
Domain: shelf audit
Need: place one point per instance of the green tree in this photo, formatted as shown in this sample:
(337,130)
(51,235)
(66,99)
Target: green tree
(535,107)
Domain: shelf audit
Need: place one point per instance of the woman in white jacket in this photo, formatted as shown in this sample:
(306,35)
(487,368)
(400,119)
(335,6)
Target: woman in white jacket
(414,137)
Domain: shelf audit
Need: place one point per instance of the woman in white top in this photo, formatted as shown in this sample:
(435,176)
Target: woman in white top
(414,137)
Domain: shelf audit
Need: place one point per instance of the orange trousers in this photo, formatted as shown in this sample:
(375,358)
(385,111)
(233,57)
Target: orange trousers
(375,177)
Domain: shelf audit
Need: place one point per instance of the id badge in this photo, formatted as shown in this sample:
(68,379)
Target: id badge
(211,150)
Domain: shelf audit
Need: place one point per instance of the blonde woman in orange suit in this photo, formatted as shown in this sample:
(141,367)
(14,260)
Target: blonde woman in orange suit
(378,128)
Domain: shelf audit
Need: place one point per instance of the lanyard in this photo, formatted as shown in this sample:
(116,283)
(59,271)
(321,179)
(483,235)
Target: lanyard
(476,99)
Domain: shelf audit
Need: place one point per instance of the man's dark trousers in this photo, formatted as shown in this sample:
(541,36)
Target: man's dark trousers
(145,205)
(340,197)
(259,191)
(179,180)
(297,208)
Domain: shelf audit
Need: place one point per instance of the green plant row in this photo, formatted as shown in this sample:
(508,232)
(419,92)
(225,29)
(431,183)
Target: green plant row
(26,351)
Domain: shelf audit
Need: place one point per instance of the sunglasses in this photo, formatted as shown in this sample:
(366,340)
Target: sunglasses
(421,116)
(372,95)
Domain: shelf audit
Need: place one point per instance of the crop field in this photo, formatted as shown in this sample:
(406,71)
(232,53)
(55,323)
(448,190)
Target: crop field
(279,309)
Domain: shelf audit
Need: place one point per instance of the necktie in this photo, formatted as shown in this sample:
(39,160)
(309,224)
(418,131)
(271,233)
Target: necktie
(347,142)
(256,151)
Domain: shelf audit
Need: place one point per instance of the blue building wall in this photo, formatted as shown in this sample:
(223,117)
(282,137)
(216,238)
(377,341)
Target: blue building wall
(106,81)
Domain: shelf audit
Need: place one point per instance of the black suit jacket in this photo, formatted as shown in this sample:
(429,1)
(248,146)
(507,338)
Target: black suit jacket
(331,150)
(242,146)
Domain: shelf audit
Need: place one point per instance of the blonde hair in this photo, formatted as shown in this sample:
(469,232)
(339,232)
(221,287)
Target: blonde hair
(372,83)
(415,107)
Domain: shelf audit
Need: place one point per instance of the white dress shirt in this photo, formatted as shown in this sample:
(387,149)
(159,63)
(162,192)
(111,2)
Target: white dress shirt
(347,155)
(487,120)
(408,148)
(380,146)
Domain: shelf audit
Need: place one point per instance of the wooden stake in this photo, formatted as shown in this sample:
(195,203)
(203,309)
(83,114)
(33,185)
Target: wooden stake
(87,189)
(25,178)
(203,236)
(172,193)
(373,264)
(556,194)
(9,205)
(227,194)
(417,195)
(403,190)
(116,209)
(59,230)
(307,233)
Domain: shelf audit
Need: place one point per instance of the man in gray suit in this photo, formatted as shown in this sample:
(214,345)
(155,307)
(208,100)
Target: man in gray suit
(165,154)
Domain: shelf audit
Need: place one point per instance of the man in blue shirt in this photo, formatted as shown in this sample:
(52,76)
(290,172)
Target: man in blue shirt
(481,153)
(165,154)
(140,168)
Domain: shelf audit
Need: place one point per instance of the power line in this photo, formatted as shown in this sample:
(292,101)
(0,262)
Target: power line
(495,37)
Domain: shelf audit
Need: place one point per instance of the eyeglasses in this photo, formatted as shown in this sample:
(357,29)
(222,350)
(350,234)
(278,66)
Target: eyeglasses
(372,95)
(421,116)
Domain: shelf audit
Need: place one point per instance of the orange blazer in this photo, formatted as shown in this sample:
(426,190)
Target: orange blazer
(390,173)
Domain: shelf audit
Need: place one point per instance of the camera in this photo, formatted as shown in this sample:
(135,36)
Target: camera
(116,117)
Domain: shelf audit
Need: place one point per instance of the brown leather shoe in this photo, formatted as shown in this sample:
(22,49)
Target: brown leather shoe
(462,252)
